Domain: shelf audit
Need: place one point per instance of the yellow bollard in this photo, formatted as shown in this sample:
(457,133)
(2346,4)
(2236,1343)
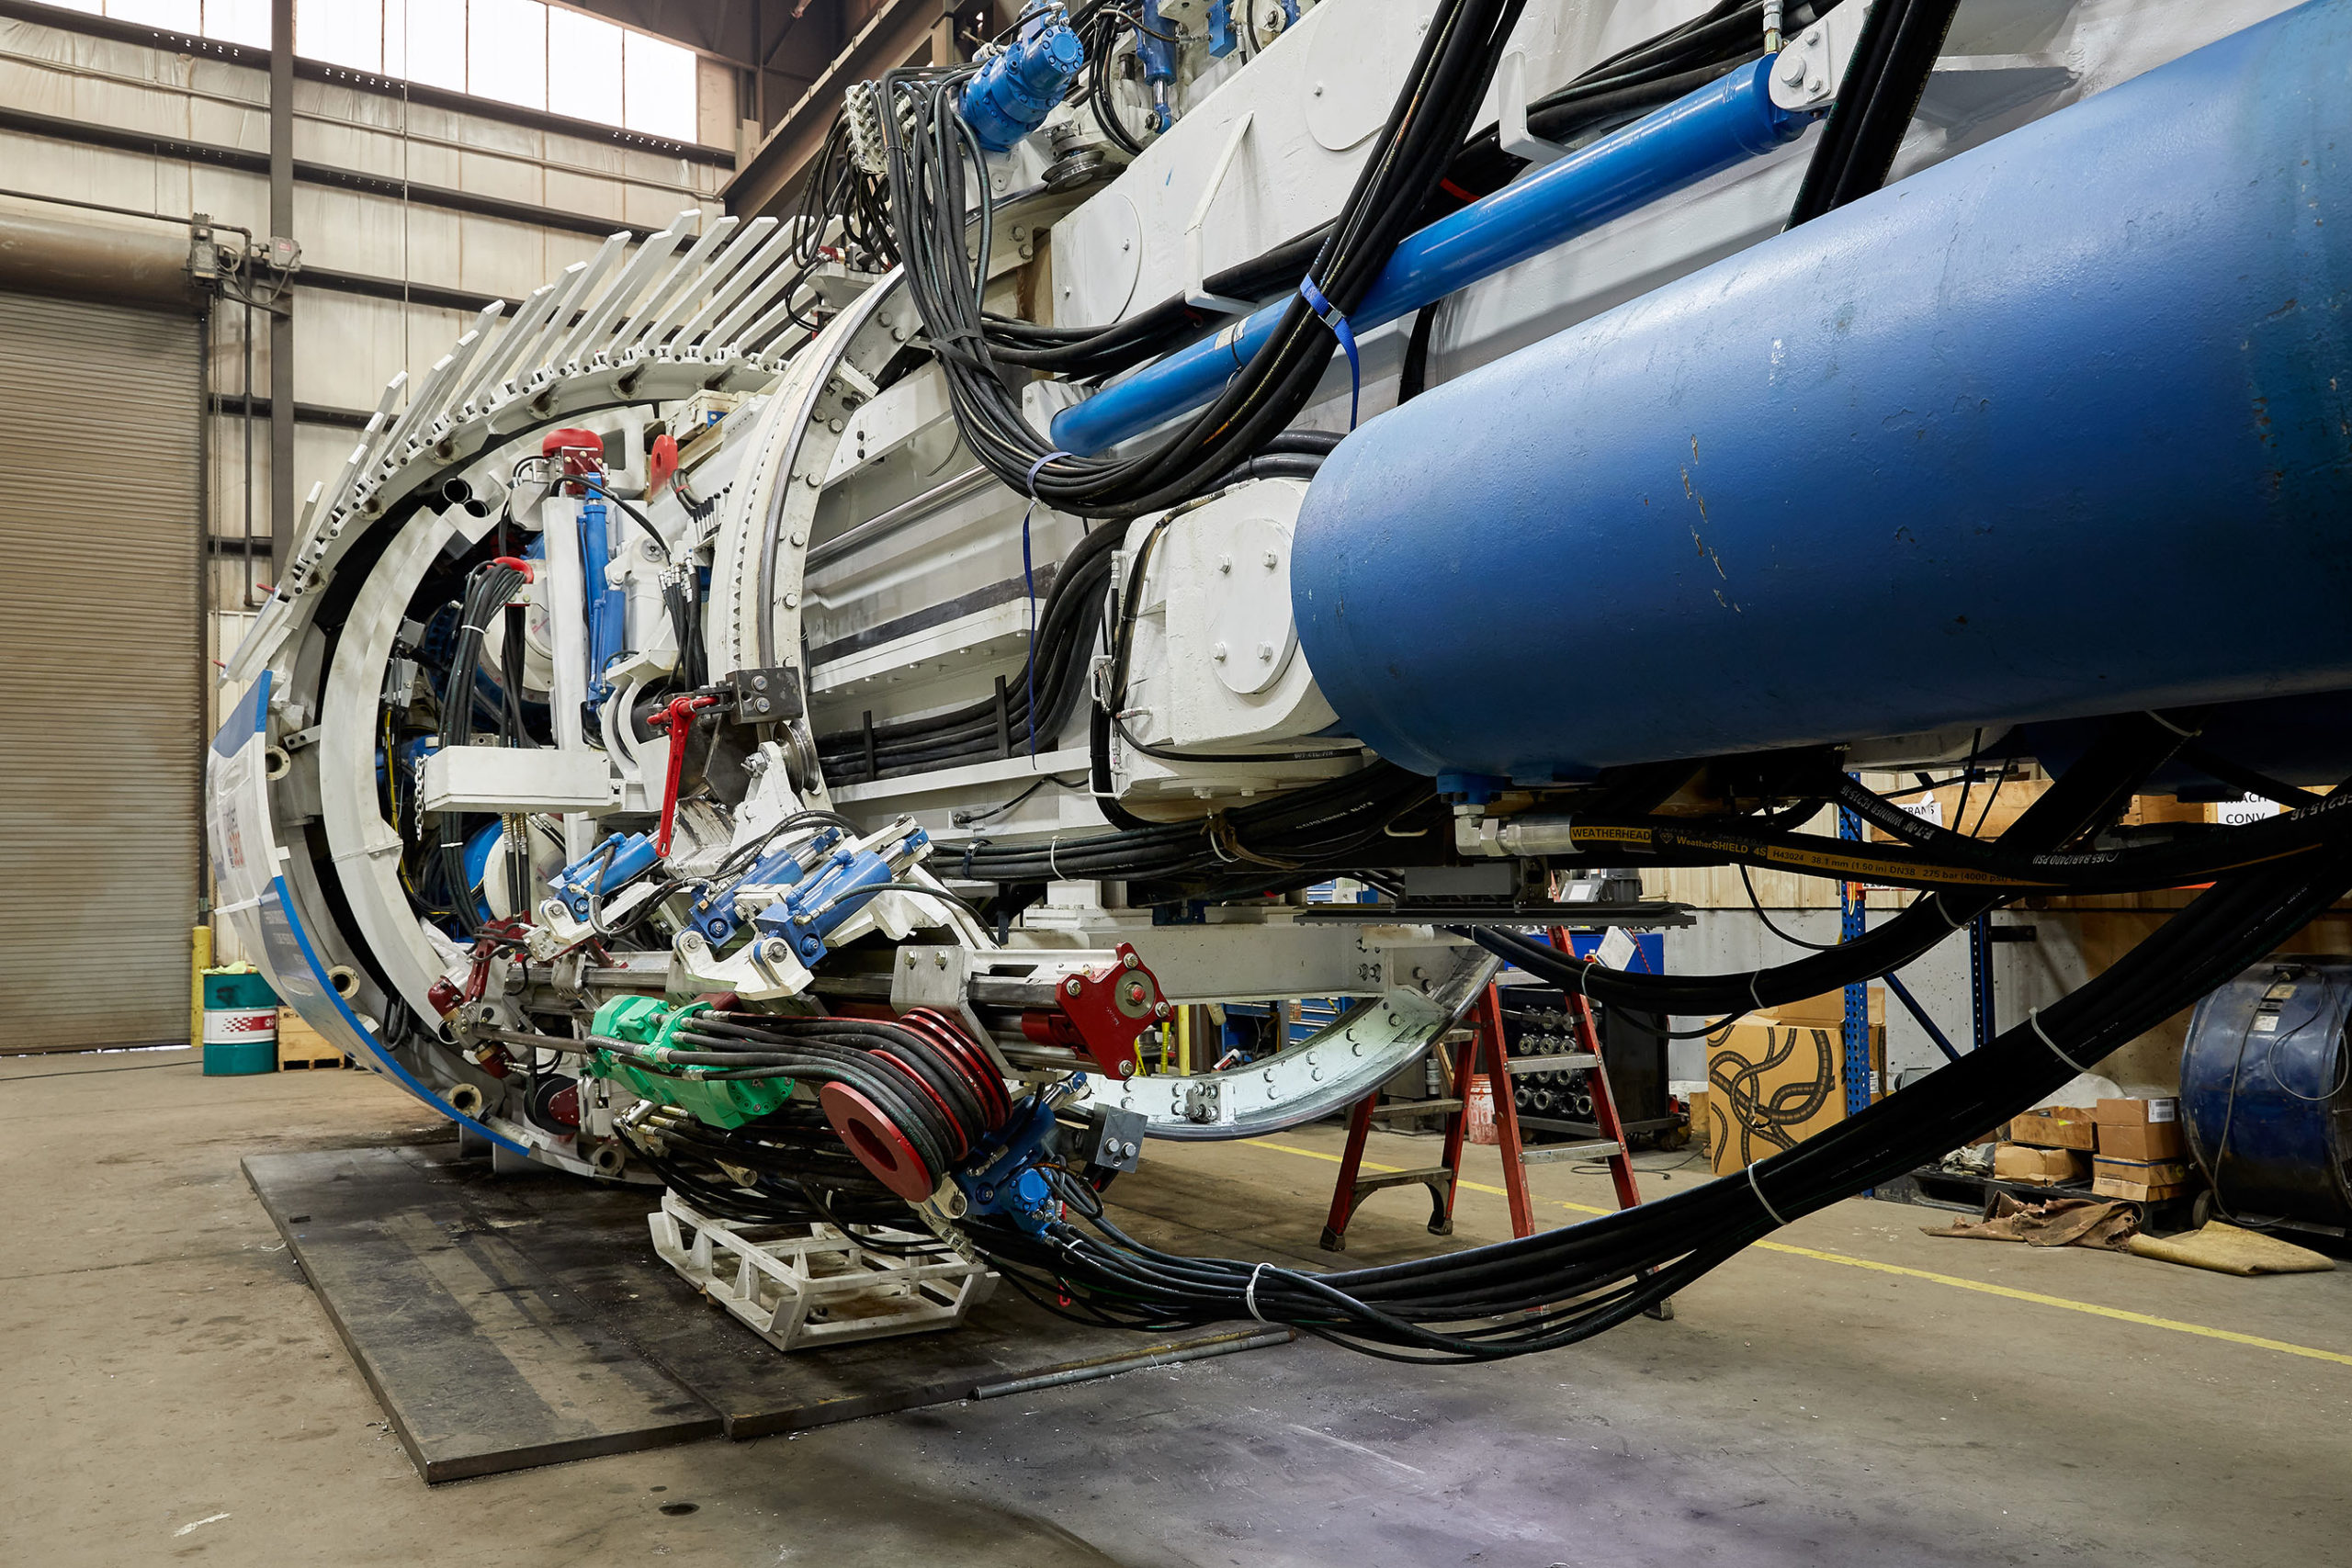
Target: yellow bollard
(199,960)
(1185,1041)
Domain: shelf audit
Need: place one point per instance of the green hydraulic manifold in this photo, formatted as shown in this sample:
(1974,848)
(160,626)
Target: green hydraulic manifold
(649,1022)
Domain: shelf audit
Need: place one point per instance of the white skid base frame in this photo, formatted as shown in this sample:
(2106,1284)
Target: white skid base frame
(802,1286)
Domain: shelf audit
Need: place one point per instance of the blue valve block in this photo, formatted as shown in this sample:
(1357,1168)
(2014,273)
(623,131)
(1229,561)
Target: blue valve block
(714,914)
(1014,91)
(1001,1175)
(830,894)
(633,855)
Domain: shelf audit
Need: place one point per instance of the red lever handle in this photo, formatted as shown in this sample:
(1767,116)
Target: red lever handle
(677,719)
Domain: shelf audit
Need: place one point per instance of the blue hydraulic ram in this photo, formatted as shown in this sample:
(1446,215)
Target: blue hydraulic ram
(2062,426)
(1725,123)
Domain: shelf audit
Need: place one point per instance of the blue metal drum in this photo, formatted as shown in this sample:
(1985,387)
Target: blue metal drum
(2266,1087)
(2060,427)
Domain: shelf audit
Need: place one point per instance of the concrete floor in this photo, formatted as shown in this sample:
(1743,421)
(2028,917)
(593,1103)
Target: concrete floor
(173,1391)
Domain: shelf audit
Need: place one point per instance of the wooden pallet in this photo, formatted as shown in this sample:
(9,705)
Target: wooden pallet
(301,1048)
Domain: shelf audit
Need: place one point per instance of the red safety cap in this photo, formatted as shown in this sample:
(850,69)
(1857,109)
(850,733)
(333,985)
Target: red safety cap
(877,1142)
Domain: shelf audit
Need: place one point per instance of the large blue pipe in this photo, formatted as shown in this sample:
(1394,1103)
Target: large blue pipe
(1724,123)
(2060,427)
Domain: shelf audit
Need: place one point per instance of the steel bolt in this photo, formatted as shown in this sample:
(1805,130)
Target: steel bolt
(1074,989)
(1265,653)
(1793,68)
(1130,961)
(759,683)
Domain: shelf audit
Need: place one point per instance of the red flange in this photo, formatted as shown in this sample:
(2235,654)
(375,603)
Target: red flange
(877,1142)
(907,1070)
(978,1070)
(1107,1008)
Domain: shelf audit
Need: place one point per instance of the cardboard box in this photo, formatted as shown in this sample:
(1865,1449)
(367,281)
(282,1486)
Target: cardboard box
(1772,1085)
(2038,1167)
(1828,1009)
(2055,1127)
(2145,1179)
(2140,1129)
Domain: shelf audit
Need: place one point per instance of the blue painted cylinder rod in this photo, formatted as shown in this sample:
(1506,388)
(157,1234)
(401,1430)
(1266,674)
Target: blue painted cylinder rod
(2059,427)
(1723,124)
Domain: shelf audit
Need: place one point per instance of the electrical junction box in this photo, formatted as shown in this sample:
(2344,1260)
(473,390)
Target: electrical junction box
(514,778)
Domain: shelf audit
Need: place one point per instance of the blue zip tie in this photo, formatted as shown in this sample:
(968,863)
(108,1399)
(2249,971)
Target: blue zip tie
(1345,334)
(1029,581)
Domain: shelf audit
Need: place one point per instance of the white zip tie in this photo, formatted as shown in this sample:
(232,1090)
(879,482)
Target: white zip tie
(2184,734)
(1249,1296)
(2033,1016)
(1758,1191)
(1946,913)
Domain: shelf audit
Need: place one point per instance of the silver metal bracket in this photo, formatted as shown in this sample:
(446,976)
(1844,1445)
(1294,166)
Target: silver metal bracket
(1810,67)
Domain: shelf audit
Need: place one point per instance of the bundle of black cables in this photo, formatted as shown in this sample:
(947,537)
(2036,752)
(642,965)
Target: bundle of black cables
(1323,824)
(1068,623)
(1893,54)
(1628,85)
(488,588)
(1555,1289)
(931,192)
(921,1072)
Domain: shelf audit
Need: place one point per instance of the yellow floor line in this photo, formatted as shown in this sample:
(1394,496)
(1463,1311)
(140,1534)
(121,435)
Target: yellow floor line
(1980,1286)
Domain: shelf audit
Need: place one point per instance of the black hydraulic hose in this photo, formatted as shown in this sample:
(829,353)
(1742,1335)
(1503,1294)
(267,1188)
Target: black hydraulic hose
(1893,55)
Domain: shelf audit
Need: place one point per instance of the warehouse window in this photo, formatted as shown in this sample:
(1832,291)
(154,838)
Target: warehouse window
(525,52)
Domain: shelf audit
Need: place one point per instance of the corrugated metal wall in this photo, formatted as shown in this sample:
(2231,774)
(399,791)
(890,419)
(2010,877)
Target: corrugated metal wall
(101,702)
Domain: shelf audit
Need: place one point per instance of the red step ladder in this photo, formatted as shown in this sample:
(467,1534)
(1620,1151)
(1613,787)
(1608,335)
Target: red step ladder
(1481,1048)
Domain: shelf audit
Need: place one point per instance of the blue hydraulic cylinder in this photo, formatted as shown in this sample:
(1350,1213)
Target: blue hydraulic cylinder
(1723,124)
(1156,48)
(842,885)
(714,912)
(607,606)
(633,855)
(1013,92)
(2059,427)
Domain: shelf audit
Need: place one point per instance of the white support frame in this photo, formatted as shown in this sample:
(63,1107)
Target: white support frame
(797,1292)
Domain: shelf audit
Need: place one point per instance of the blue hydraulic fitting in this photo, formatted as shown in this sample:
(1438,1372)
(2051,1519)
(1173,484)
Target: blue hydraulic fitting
(832,893)
(713,913)
(1013,91)
(633,855)
(1156,47)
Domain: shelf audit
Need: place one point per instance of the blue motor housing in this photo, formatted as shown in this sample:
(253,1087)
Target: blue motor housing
(1013,91)
(2059,427)
(633,855)
(2266,1087)
(1001,1175)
